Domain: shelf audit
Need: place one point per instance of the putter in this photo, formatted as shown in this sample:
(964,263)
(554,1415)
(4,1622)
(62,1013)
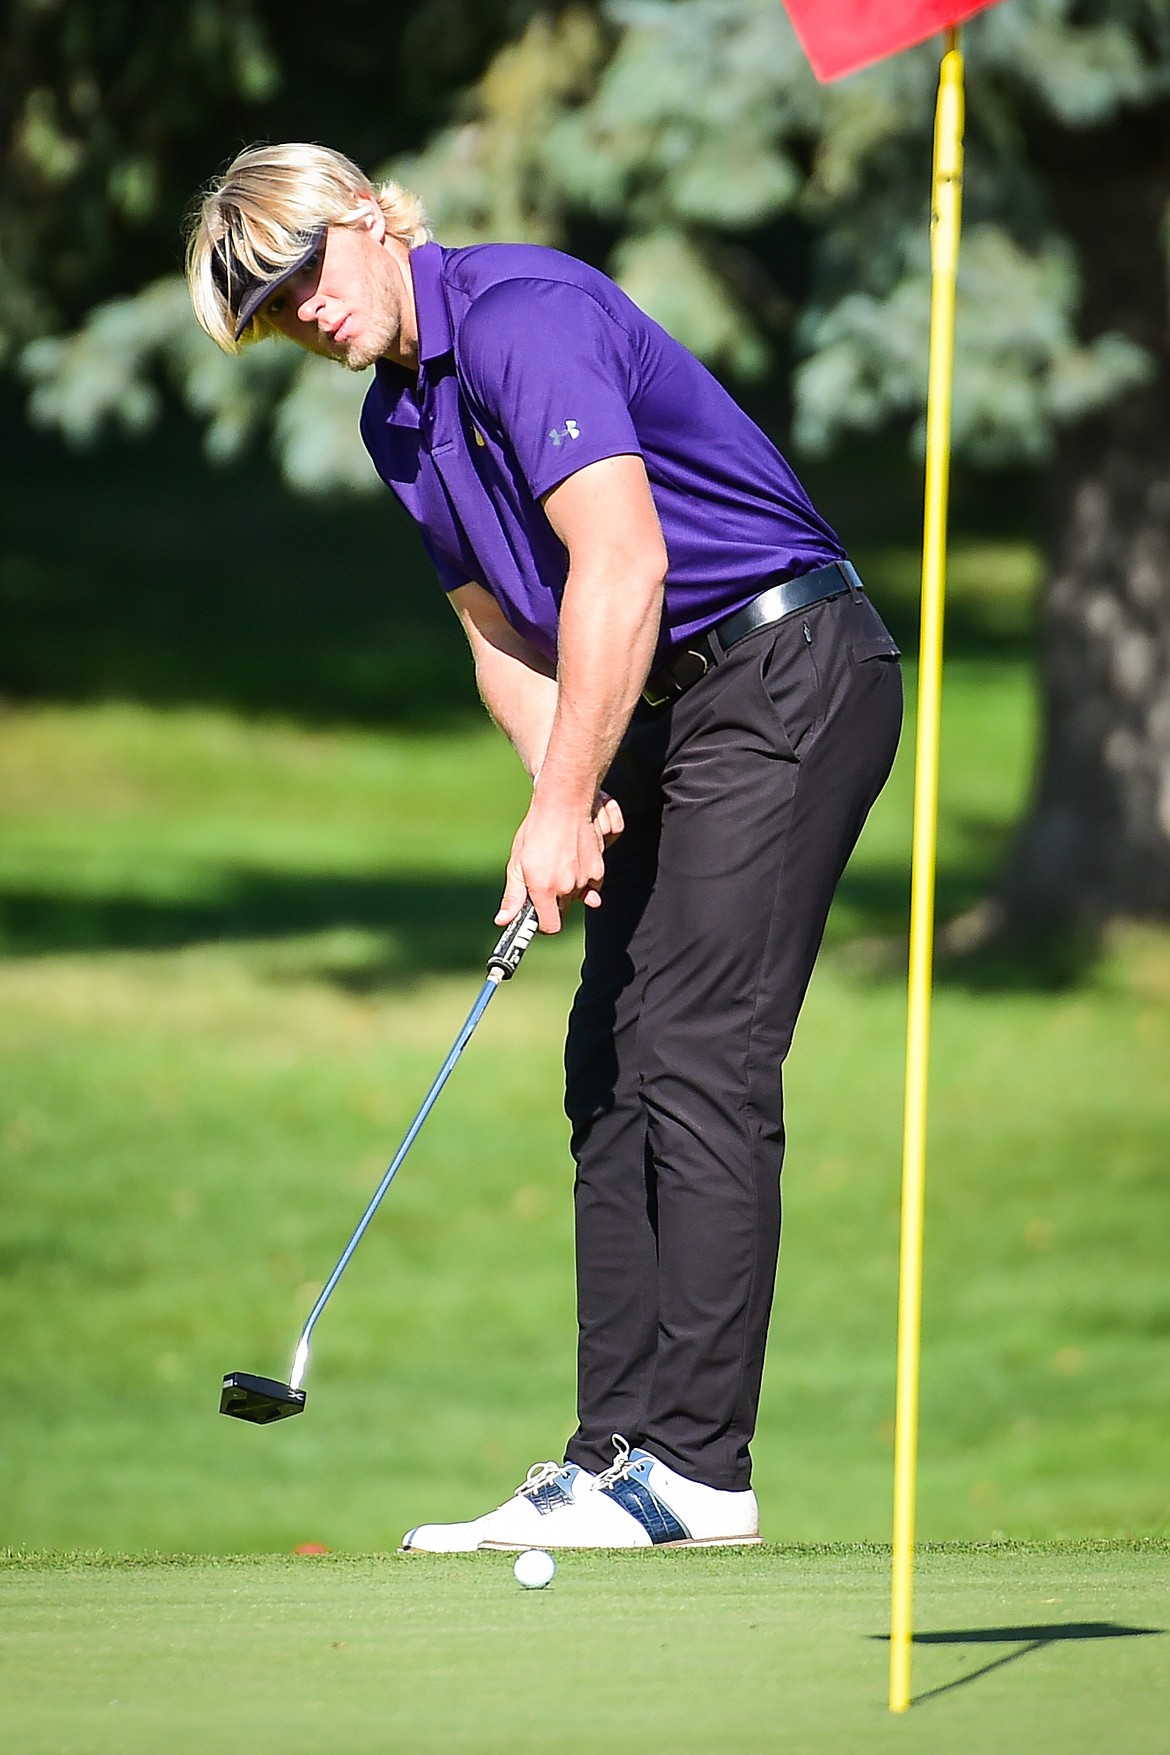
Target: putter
(264,1399)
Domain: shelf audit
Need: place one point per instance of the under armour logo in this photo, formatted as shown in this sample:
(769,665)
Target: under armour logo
(570,430)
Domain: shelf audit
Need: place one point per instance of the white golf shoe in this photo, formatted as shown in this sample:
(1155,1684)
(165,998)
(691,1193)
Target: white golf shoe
(639,1503)
(521,1522)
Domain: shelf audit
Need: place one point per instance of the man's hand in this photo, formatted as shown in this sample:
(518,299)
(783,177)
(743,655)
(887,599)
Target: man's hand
(558,857)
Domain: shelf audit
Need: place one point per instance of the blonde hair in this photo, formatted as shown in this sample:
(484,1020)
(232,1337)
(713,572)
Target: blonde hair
(260,216)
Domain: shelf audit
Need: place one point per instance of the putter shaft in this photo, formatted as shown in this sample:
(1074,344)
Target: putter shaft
(502,965)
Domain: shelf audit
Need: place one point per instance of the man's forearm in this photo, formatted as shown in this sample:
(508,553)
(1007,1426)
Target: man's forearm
(608,626)
(522,701)
(515,681)
(608,632)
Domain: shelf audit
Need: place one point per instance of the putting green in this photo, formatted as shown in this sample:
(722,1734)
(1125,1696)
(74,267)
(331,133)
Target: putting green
(1020,1647)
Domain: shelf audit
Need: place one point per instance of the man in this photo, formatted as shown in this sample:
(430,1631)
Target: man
(708,705)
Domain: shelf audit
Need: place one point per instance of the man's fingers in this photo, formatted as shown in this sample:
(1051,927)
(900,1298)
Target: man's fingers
(548,909)
(609,818)
(517,891)
(513,898)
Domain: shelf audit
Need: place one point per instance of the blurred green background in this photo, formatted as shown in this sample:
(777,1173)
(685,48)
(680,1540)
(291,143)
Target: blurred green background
(254,819)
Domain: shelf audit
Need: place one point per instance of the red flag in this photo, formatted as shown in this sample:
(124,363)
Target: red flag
(839,36)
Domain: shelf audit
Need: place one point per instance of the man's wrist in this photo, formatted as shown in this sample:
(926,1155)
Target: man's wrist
(567,796)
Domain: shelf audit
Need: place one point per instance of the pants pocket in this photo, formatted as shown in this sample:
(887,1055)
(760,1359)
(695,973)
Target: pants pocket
(791,682)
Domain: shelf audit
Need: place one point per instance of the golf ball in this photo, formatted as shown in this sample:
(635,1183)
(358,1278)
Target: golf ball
(534,1569)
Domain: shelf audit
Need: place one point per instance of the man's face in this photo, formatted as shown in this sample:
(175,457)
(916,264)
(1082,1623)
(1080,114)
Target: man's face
(350,302)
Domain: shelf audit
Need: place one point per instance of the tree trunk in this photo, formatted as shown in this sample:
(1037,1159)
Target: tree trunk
(1095,842)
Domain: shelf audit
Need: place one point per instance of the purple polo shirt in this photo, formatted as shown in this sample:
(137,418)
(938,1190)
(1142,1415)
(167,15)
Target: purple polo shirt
(533,365)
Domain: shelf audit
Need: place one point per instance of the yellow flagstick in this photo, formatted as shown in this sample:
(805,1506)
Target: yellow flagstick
(944,246)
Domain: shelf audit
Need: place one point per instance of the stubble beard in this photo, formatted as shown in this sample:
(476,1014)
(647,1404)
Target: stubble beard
(361,353)
(380,321)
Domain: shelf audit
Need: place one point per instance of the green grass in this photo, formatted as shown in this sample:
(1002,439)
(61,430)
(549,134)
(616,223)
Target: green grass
(238,951)
(1061,1648)
(246,885)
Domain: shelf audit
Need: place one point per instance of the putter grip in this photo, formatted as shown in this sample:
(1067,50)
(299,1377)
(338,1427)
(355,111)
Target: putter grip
(514,941)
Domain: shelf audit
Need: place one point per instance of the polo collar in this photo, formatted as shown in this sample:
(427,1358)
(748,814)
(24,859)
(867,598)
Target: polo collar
(435,334)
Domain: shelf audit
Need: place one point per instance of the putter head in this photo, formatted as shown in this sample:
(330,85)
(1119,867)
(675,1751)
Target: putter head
(259,1399)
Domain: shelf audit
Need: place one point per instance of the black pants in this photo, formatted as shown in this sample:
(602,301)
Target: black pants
(743,801)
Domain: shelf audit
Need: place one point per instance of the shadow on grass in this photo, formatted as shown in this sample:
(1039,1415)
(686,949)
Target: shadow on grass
(875,898)
(414,925)
(1026,1639)
(871,925)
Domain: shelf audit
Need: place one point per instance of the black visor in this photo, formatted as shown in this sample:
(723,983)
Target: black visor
(244,292)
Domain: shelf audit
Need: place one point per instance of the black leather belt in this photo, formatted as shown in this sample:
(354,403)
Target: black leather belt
(705,650)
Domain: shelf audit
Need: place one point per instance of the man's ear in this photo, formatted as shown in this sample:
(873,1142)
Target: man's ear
(373,219)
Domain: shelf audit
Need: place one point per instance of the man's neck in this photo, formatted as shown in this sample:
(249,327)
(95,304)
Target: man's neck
(405,352)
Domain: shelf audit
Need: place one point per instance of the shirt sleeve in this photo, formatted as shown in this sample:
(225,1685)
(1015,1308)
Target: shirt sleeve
(451,574)
(547,368)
